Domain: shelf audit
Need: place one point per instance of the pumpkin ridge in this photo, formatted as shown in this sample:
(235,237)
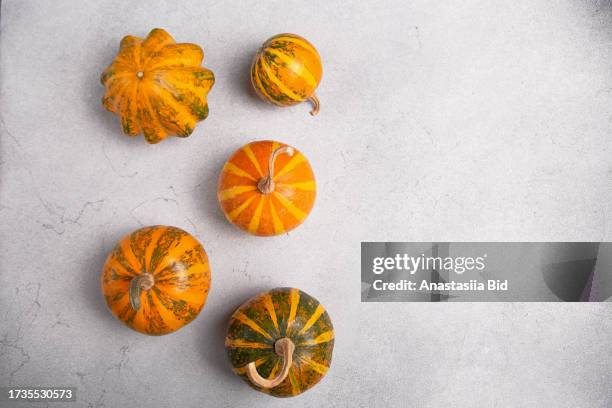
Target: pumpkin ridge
(200,77)
(165,119)
(326,337)
(297,213)
(151,133)
(276,95)
(249,152)
(243,164)
(302,42)
(279,227)
(193,256)
(120,258)
(313,319)
(153,240)
(128,116)
(180,89)
(258,85)
(295,386)
(127,314)
(165,272)
(235,213)
(189,254)
(269,306)
(155,41)
(161,248)
(120,101)
(109,79)
(258,363)
(233,192)
(111,274)
(232,168)
(294,300)
(128,41)
(137,248)
(177,55)
(183,282)
(130,56)
(153,116)
(273,77)
(255,220)
(238,343)
(155,323)
(113,298)
(245,320)
(301,185)
(296,160)
(178,309)
(275,368)
(303,73)
(180,110)
(113,96)
(314,365)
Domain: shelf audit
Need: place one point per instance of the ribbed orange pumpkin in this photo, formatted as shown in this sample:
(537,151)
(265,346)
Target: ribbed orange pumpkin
(266,188)
(157,86)
(287,70)
(156,279)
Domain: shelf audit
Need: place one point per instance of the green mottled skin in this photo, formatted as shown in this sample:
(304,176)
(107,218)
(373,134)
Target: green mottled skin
(157,86)
(174,278)
(271,89)
(302,377)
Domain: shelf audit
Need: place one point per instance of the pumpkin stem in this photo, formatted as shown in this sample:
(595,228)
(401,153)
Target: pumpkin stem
(266,184)
(314,99)
(282,347)
(144,281)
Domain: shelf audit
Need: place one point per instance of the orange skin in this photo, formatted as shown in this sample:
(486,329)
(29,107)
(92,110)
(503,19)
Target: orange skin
(181,274)
(287,70)
(157,87)
(278,212)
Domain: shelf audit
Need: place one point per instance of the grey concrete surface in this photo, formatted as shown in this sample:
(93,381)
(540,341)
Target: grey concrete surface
(440,121)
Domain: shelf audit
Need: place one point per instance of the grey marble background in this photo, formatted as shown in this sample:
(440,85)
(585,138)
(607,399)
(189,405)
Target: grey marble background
(440,121)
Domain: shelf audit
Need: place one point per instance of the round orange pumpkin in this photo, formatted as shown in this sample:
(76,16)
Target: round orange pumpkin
(157,87)
(287,70)
(266,188)
(156,279)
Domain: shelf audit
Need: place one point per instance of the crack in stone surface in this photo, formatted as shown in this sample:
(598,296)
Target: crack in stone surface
(13,337)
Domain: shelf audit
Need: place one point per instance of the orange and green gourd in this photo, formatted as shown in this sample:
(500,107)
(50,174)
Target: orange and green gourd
(157,87)
(266,188)
(287,70)
(156,279)
(281,342)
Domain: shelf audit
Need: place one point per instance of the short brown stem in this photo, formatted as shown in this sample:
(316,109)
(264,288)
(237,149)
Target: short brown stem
(266,184)
(144,281)
(282,347)
(316,105)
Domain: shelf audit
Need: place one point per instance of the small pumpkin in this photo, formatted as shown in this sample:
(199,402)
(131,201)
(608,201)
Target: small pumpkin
(287,70)
(281,342)
(156,279)
(266,188)
(157,87)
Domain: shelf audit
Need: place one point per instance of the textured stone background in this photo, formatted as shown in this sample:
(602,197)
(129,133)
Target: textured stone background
(440,121)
